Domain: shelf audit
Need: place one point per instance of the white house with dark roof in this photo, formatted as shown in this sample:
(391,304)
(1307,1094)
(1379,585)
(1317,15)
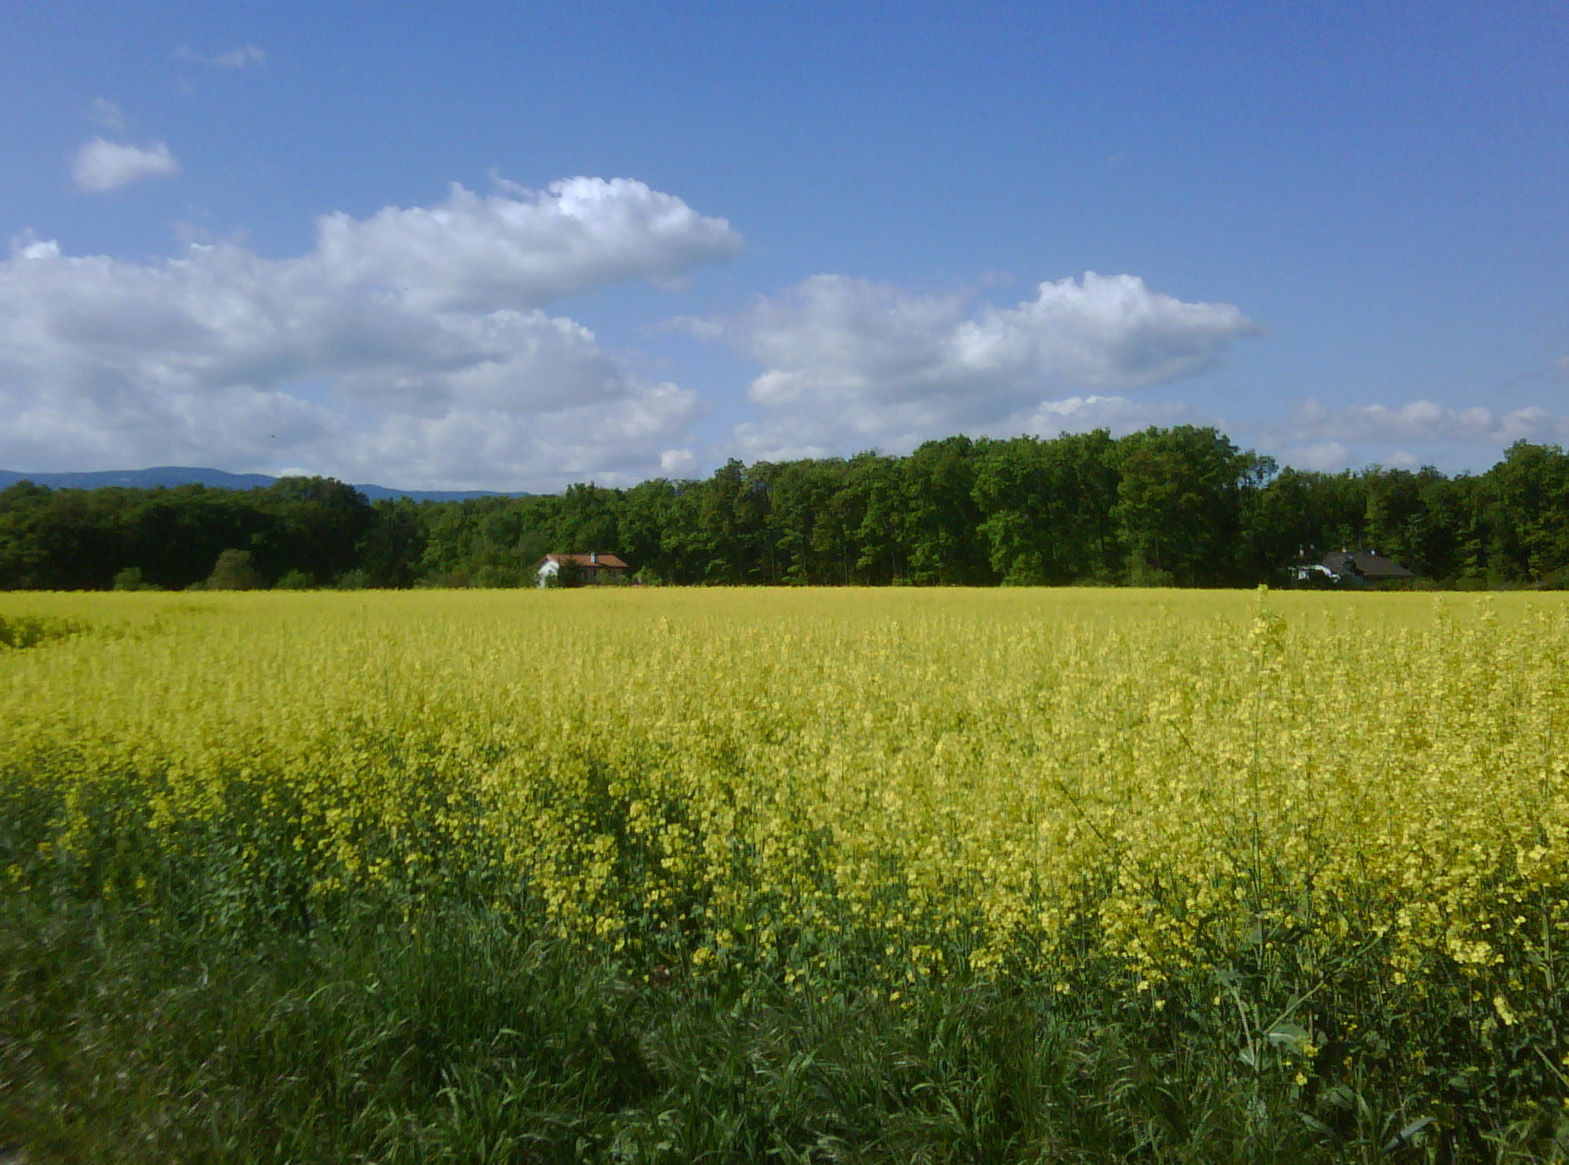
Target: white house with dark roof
(1353,568)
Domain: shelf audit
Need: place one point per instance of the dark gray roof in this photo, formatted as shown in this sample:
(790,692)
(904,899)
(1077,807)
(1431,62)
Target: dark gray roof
(1364,563)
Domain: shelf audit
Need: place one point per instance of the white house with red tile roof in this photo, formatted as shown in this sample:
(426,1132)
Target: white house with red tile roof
(594,568)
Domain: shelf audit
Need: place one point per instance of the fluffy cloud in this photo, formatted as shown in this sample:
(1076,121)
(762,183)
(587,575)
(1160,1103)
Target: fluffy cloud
(616,442)
(1424,422)
(103,165)
(1318,436)
(1080,414)
(852,359)
(678,463)
(523,249)
(409,347)
(794,435)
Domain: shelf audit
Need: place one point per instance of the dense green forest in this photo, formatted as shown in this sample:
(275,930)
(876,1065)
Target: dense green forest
(1181,506)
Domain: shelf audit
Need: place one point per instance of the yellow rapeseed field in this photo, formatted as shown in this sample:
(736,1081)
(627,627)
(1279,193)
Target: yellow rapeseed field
(913,782)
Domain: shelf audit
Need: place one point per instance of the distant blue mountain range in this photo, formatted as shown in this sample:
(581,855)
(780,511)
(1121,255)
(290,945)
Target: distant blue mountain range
(169,476)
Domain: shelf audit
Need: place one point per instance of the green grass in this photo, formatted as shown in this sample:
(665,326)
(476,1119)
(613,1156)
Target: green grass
(464,1039)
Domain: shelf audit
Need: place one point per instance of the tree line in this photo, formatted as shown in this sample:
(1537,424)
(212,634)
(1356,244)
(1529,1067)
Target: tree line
(1177,506)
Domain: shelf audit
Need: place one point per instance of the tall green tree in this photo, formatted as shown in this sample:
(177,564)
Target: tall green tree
(943,542)
(317,524)
(875,494)
(1046,507)
(390,551)
(1527,507)
(1180,501)
(731,522)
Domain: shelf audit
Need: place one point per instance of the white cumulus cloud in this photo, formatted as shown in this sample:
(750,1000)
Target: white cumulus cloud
(678,463)
(1319,436)
(1424,422)
(850,362)
(103,165)
(522,249)
(1081,414)
(417,356)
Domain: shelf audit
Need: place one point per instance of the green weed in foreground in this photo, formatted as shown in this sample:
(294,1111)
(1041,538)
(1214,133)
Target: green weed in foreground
(459,1038)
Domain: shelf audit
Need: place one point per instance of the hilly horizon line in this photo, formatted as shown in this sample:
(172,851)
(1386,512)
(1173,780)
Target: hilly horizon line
(173,476)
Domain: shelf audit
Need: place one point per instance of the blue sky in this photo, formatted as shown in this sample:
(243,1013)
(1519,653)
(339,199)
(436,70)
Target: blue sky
(516,245)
